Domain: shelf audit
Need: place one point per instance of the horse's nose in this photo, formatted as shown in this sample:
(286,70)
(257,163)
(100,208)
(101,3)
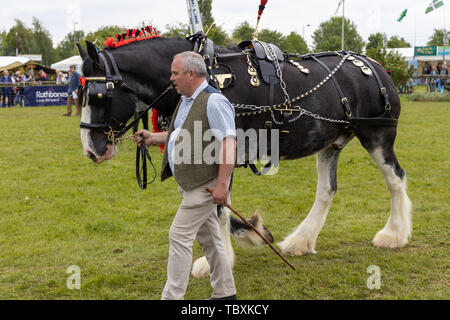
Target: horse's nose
(92,156)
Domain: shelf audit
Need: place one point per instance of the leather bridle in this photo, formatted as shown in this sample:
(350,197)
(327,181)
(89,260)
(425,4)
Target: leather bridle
(100,91)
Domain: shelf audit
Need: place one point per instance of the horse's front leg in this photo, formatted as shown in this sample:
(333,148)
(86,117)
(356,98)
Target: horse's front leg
(303,239)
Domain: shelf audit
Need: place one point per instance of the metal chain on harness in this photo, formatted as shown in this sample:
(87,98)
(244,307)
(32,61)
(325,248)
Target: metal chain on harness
(279,75)
(260,109)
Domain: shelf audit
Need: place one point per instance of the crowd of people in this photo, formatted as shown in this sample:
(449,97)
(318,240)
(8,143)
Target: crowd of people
(13,94)
(438,80)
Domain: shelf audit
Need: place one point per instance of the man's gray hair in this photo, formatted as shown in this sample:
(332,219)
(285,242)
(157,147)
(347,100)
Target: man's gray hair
(192,61)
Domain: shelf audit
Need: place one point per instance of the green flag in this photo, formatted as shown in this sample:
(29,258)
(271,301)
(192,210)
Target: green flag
(403,14)
(434,5)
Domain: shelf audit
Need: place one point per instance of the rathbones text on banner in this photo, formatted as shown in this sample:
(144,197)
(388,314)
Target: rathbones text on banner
(46,96)
(50,95)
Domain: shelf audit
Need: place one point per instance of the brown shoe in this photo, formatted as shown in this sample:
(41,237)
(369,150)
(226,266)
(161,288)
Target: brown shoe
(66,114)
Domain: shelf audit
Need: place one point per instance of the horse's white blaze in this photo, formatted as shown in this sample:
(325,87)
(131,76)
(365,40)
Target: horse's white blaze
(86,141)
(303,239)
(398,228)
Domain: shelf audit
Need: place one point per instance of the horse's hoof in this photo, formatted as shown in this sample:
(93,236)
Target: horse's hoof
(200,268)
(297,246)
(389,239)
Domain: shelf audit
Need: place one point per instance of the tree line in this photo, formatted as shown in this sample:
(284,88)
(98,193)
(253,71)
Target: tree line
(36,39)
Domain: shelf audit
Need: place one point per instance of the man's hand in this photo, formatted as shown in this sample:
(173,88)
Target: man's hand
(147,137)
(150,137)
(220,194)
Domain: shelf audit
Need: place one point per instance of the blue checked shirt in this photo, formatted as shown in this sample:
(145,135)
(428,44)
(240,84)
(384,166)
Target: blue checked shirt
(220,115)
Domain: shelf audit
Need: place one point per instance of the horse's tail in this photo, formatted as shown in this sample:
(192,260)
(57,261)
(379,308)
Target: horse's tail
(245,235)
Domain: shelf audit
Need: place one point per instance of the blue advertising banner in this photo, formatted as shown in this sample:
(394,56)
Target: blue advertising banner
(45,96)
(443,51)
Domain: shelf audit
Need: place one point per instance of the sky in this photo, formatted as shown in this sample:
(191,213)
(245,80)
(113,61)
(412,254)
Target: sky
(303,17)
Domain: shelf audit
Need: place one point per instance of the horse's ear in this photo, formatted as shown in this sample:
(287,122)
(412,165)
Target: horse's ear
(83,53)
(92,51)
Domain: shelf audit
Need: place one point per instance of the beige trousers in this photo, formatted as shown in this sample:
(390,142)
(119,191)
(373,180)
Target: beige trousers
(197,219)
(71,100)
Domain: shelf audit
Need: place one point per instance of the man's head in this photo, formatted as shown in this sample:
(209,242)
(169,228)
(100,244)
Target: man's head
(188,72)
(5,73)
(72,67)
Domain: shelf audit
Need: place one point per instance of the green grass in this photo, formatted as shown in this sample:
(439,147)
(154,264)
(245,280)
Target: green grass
(58,209)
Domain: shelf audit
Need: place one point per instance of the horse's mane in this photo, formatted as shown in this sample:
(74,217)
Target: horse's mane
(120,40)
(145,33)
(134,36)
(131,36)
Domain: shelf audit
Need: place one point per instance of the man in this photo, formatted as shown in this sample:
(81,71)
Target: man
(444,73)
(74,83)
(7,91)
(196,217)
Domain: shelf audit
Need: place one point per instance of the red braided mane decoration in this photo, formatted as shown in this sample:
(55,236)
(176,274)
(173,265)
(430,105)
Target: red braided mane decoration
(132,35)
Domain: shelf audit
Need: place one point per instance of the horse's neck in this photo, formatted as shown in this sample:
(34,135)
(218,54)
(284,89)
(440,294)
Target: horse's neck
(149,58)
(146,65)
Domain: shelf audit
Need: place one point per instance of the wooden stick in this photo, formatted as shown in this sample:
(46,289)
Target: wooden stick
(258,233)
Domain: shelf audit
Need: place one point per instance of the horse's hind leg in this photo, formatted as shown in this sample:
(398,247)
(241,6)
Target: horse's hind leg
(398,228)
(303,239)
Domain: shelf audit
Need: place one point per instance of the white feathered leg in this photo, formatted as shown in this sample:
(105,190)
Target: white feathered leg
(303,239)
(397,230)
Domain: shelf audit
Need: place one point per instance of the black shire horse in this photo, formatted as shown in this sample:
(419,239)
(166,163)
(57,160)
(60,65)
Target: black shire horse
(335,81)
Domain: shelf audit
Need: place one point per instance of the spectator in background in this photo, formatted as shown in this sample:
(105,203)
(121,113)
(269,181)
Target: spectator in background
(37,77)
(74,83)
(444,77)
(432,83)
(60,77)
(43,75)
(7,91)
(20,90)
(426,68)
(29,77)
(426,71)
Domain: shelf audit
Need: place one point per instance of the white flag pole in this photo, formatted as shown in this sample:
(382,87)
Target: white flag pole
(195,19)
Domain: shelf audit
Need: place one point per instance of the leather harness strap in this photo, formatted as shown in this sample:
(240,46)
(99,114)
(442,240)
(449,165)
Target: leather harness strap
(386,119)
(342,97)
(377,77)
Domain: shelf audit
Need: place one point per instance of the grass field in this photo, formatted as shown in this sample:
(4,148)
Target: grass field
(58,209)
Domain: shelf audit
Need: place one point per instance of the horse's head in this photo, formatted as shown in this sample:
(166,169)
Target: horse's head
(145,68)
(106,105)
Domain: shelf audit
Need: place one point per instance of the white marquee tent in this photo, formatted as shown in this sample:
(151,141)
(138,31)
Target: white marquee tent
(64,65)
(7,60)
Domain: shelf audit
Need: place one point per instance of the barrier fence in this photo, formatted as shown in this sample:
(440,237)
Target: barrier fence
(50,93)
(35,94)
